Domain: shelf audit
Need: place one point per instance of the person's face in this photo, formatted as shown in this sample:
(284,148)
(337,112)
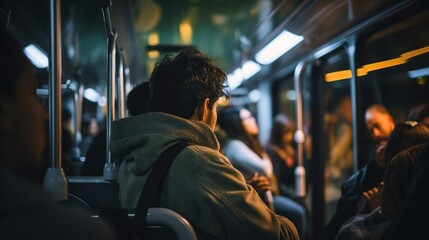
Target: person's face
(287,137)
(249,122)
(379,125)
(28,119)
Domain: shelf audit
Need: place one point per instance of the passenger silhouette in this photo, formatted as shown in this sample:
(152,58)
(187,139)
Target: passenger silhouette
(26,211)
(96,154)
(380,125)
(398,177)
(243,149)
(201,185)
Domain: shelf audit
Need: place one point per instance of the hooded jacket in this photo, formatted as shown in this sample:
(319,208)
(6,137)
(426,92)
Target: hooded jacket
(201,184)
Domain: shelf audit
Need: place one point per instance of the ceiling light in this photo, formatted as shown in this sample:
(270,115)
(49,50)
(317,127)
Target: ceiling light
(234,79)
(36,56)
(250,68)
(277,47)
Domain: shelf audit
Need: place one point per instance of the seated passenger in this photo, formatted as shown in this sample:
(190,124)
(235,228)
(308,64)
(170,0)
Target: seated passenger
(96,154)
(201,184)
(380,124)
(398,177)
(410,221)
(243,149)
(405,135)
(26,210)
(281,151)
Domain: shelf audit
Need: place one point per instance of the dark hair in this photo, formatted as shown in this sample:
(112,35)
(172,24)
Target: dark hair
(229,121)
(137,97)
(281,125)
(405,135)
(398,177)
(419,112)
(178,85)
(12,63)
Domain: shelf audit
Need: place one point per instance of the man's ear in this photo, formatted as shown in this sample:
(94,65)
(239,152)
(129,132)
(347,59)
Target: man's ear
(202,111)
(5,118)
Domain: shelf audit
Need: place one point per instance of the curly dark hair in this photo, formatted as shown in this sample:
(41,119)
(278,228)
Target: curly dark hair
(179,84)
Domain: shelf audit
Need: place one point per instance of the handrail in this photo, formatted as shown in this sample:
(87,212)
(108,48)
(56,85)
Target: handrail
(55,180)
(120,90)
(110,170)
(175,221)
(299,134)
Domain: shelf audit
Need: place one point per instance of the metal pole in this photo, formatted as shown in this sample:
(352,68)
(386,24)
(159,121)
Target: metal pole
(55,180)
(299,134)
(109,171)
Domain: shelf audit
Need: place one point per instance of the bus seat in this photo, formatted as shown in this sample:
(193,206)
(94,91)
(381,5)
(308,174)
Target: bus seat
(161,223)
(97,192)
(76,201)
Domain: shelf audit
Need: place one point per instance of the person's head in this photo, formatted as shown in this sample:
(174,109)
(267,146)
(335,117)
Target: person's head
(420,114)
(188,85)
(398,177)
(22,117)
(282,131)
(238,123)
(404,135)
(137,97)
(379,122)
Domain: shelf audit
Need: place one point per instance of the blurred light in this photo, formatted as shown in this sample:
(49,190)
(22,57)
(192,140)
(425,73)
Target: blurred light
(91,95)
(422,72)
(36,56)
(402,59)
(152,40)
(254,95)
(235,79)
(250,68)
(185,32)
(421,81)
(277,47)
(102,101)
(290,95)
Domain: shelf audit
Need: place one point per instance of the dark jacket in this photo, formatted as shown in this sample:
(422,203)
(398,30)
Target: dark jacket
(351,192)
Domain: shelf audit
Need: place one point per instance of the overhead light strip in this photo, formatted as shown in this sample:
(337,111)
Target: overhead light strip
(347,74)
(277,47)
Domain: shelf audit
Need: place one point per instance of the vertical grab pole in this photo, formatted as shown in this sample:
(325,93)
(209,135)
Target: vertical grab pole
(109,171)
(55,180)
(120,90)
(299,134)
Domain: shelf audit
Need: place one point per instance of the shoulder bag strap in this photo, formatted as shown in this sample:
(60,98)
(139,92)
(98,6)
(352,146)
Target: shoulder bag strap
(151,193)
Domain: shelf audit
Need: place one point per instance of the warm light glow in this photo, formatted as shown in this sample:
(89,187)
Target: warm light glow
(153,39)
(186,32)
(277,47)
(36,56)
(339,75)
(347,74)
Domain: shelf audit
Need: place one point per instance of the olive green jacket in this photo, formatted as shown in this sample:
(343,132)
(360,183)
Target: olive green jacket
(201,184)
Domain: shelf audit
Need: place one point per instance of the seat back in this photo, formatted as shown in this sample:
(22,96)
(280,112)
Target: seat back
(161,223)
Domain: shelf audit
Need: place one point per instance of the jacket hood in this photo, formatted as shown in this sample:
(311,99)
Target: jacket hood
(139,140)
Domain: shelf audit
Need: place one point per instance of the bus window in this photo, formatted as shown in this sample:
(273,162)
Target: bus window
(336,127)
(394,69)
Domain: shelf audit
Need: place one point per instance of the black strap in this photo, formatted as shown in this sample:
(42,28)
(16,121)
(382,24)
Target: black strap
(151,193)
